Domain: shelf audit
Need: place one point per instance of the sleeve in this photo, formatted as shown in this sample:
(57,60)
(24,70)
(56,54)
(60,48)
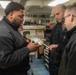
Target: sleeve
(62,45)
(51,38)
(71,62)
(54,33)
(8,55)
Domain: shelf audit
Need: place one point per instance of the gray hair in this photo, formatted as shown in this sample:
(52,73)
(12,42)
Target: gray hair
(62,6)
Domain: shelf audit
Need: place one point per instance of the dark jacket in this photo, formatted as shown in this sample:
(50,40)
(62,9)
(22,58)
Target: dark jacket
(57,37)
(68,63)
(14,54)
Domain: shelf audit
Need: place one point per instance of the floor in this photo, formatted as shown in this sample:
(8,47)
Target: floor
(38,67)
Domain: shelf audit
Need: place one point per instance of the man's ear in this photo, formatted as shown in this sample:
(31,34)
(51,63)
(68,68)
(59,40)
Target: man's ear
(11,14)
(72,18)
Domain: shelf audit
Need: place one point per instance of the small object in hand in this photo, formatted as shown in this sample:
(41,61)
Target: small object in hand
(35,39)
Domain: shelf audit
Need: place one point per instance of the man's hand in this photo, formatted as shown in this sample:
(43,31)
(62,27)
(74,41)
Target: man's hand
(33,46)
(52,47)
(28,41)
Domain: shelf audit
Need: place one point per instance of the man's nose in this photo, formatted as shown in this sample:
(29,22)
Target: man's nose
(56,17)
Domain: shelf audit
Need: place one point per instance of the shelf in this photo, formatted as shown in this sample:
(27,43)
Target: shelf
(47,65)
(46,60)
(47,57)
(46,50)
(34,27)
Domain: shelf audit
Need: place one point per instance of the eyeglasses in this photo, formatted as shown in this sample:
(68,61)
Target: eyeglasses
(63,19)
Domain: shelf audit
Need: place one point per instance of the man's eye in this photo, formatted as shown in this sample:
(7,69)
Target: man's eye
(20,16)
(57,14)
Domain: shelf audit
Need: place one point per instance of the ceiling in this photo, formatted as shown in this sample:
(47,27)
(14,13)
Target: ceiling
(34,6)
(41,6)
(37,6)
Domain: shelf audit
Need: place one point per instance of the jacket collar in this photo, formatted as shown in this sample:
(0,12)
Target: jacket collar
(71,32)
(9,23)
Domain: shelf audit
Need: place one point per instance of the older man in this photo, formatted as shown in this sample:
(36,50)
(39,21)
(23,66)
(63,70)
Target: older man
(57,42)
(68,63)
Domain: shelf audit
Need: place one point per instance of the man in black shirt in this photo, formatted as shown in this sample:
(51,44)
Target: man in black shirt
(14,50)
(68,62)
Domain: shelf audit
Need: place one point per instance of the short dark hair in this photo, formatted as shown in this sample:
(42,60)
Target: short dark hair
(12,6)
(72,6)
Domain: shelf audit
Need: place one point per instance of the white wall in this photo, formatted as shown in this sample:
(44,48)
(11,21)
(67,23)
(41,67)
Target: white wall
(1,13)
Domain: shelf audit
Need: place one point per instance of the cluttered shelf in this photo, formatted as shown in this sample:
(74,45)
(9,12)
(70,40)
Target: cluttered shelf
(34,27)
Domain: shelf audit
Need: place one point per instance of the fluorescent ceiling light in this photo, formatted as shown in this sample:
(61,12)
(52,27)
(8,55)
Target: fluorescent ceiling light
(55,2)
(4,3)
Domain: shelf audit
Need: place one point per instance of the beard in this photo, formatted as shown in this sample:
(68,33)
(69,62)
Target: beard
(16,23)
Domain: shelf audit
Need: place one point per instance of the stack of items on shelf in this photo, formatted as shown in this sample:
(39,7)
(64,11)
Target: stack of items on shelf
(37,19)
(47,35)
